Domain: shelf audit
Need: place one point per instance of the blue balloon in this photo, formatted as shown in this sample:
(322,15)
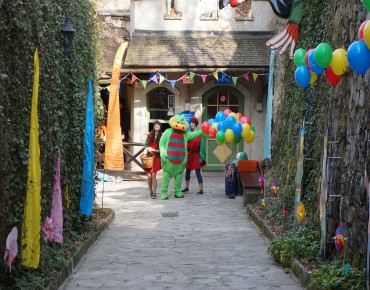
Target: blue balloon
(211,121)
(313,64)
(237,129)
(358,57)
(221,126)
(230,121)
(220,116)
(302,76)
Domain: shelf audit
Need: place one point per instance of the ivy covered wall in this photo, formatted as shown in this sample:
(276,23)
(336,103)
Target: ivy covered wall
(344,111)
(24,26)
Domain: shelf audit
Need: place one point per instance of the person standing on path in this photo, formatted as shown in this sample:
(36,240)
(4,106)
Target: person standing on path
(196,157)
(152,147)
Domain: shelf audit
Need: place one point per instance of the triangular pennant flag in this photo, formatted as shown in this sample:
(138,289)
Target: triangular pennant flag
(133,79)
(255,76)
(246,76)
(183,78)
(235,79)
(144,83)
(224,75)
(161,78)
(215,74)
(267,76)
(154,79)
(173,83)
(192,75)
(204,77)
(108,88)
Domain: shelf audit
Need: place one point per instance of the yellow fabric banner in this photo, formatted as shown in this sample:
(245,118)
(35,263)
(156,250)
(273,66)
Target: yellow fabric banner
(30,237)
(255,76)
(113,145)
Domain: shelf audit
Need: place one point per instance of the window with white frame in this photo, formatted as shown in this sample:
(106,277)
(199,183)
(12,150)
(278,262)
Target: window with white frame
(172,9)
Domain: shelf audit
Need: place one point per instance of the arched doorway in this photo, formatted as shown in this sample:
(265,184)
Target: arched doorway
(215,100)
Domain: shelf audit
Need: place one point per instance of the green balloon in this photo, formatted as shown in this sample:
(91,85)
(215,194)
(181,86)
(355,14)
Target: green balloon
(323,55)
(243,156)
(238,139)
(253,128)
(299,56)
(220,137)
(367,4)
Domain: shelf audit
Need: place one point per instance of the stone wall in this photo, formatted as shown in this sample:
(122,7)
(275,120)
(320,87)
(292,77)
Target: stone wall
(344,111)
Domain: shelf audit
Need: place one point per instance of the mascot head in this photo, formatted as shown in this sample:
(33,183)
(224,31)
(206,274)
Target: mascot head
(179,123)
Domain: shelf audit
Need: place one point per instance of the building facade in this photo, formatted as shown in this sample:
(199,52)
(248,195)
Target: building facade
(192,57)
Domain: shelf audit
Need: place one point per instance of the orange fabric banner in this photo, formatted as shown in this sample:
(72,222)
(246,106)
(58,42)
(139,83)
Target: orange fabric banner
(113,145)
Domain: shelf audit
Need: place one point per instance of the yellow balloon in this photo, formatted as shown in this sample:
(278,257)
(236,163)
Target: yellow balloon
(246,128)
(301,212)
(339,62)
(214,125)
(234,115)
(367,34)
(219,143)
(250,137)
(313,77)
(229,135)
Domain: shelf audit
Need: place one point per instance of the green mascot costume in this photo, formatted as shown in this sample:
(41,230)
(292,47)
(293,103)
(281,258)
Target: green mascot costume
(174,153)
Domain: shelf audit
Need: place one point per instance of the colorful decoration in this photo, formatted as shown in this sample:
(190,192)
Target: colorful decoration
(11,248)
(291,9)
(53,226)
(323,196)
(229,127)
(87,188)
(30,238)
(274,188)
(339,238)
(299,170)
(301,212)
(264,200)
(158,78)
(113,145)
(284,212)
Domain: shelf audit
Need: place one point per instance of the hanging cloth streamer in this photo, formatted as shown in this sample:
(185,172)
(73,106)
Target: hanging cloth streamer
(267,144)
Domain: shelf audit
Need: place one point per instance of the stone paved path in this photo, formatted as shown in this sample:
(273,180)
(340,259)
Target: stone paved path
(210,244)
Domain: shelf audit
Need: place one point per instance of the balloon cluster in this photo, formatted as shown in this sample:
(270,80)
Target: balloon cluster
(228,126)
(333,64)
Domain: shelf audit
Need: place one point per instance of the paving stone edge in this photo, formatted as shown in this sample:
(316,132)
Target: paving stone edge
(79,253)
(297,268)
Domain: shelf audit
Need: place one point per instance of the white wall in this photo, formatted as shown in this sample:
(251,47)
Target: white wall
(149,15)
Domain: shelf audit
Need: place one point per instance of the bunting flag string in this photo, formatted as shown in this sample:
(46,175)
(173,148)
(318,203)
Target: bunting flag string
(218,75)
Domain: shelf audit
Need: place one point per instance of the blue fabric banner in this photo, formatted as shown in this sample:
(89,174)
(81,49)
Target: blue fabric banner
(87,190)
(267,144)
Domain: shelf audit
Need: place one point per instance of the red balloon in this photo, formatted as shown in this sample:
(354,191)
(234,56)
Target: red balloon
(240,115)
(205,127)
(306,58)
(243,120)
(235,3)
(248,121)
(212,132)
(227,112)
(360,34)
(331,77)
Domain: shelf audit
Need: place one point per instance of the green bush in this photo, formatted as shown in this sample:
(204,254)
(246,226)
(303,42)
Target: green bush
(299,243)
(330,276)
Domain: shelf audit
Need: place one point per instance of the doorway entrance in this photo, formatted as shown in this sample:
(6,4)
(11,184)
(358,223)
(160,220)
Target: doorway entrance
(216,100)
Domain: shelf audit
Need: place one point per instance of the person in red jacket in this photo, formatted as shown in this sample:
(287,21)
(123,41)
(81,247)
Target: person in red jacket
(196,157)
(152,147)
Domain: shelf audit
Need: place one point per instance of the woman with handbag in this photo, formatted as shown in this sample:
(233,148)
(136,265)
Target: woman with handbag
(196,157)
(152,148)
